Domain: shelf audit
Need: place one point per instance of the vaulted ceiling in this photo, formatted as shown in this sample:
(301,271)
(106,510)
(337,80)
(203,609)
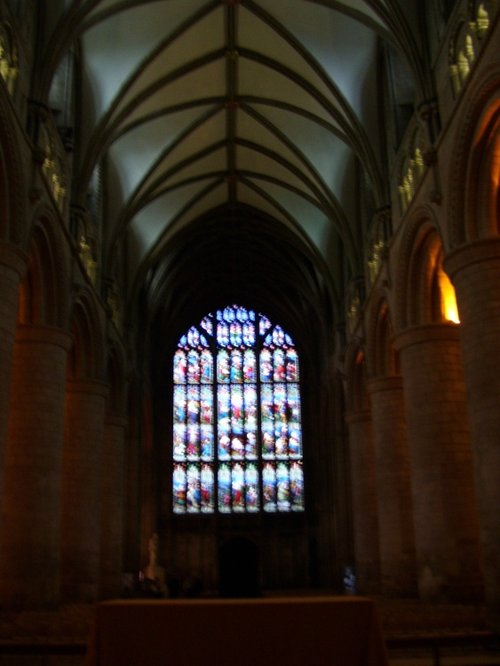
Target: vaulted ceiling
(209,117)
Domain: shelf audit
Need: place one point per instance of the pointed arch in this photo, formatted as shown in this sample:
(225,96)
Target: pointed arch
(382,357)
(86,359)
(44,294)
(422,285)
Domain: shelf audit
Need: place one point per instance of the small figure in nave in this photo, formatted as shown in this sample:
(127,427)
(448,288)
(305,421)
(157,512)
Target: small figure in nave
(154,574)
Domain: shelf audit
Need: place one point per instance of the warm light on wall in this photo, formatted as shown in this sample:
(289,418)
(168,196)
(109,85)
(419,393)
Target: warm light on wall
(449,307)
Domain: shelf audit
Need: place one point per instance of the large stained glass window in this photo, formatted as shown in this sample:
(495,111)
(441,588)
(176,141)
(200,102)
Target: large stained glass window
(237,437)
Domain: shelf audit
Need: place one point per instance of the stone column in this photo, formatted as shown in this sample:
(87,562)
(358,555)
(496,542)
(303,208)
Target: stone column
(81,496)
(12,268)
(112,506)
(475,271)
(364,501)
(29,547)
(395,508)
(444,499)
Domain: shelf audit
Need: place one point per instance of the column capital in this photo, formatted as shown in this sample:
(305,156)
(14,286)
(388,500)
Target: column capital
(87,385)
(43,334)
(387,383)
(484,249)
(425,333)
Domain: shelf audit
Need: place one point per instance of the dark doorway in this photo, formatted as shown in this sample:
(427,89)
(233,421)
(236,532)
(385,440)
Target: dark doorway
(239,568)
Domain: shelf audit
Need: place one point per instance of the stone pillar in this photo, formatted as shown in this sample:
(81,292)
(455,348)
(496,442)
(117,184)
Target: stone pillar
(133,503)
(475,271)
(29,562)
(81,507)
(12,268)
(364,502)
(112,506)
(444,499)
(395,508)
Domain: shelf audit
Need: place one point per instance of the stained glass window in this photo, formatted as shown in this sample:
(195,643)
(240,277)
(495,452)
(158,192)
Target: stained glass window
(237,435)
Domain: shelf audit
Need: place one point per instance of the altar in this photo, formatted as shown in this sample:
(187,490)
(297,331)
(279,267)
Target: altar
(296,631)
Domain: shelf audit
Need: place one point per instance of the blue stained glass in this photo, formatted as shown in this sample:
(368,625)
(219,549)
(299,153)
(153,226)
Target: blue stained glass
(180,366)
(278,336)
(266,366)
(224,482)
(206,407)
(248,333)
(250,409)
(292,366)
(193,405)
(236,334)
(229,314)
(283,487)
(224,447)
(281,445)
(193,367)
(269,487)
(223,334)
(279,373)
(193,442)
(242,315)
(267,442)
(251,446)
(236,373)
(237,410)
(237,447)
(223,367)
(224,406)
(207,489)
(179,489)
(264,325)
(252,488)
(207,325)
(207,366)
(296,486)
(207,442)
(179,441)
(294,444)
(244,430)
(193,491)
(249,364)
(179,404)
(238,487)
(193,337)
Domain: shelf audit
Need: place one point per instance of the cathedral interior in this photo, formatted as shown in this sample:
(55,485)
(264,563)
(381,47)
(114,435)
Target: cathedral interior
(311,184)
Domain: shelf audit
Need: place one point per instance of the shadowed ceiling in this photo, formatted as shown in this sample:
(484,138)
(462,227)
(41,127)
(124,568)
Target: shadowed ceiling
(234,136)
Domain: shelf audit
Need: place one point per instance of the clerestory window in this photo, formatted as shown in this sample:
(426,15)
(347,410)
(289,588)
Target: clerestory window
(237,436)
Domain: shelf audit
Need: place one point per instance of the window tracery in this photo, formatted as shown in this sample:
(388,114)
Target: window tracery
(237,435)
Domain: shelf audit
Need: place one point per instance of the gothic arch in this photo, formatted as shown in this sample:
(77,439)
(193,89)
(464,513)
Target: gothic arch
(382,358)
(86,359)
(475,165)
(44,295)
(418,273)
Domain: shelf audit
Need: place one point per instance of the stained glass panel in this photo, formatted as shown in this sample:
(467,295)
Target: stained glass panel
(237,438)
